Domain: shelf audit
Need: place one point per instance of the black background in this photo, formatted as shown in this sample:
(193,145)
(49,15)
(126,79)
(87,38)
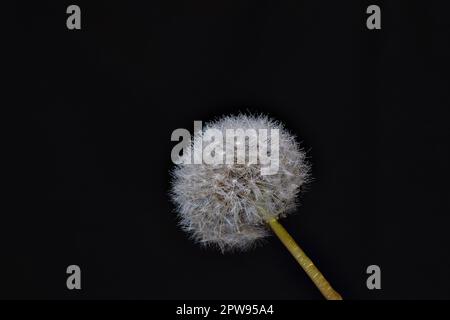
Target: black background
(97,108)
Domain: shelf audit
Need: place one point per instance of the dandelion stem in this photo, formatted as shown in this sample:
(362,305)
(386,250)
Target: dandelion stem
(311,270)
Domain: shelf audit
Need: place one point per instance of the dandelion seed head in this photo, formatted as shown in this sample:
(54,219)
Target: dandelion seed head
(220,204)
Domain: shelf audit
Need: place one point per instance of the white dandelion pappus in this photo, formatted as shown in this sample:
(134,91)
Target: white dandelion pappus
(220,204)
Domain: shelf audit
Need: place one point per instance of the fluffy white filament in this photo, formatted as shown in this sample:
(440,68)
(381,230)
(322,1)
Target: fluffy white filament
(219,204)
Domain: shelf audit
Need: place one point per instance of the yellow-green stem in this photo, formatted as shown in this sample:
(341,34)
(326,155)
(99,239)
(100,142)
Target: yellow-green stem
(316,276)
